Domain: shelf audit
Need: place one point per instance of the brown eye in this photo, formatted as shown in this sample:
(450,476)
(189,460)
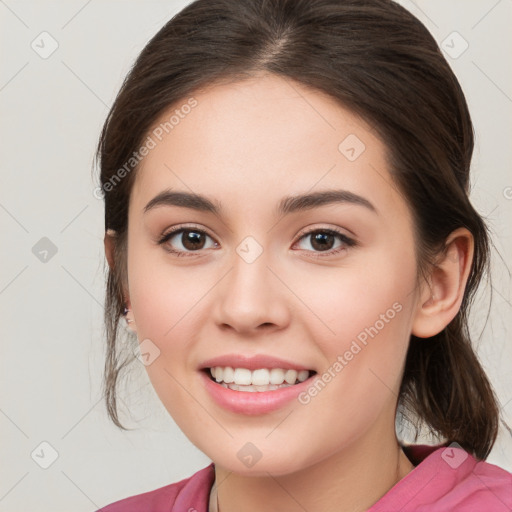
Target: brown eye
(192,240)
(324,241)
(181,241)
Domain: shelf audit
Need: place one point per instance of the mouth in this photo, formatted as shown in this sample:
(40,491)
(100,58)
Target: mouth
(259,380)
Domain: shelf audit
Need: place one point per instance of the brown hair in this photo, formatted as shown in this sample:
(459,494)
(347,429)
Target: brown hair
(376,59)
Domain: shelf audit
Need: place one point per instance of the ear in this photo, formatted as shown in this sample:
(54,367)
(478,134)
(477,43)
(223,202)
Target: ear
(109,242)
(440,299)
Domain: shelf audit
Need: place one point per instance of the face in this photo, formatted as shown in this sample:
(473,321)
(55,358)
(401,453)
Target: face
(323,287)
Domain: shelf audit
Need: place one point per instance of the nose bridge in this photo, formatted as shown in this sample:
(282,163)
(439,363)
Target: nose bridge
(251,295)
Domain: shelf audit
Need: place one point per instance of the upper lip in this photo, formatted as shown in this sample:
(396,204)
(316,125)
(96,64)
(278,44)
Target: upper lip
(251,362)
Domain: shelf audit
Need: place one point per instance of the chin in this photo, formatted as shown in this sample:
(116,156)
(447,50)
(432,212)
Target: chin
(273,464)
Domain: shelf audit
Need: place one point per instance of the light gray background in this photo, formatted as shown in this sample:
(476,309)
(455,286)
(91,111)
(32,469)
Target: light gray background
(52,353)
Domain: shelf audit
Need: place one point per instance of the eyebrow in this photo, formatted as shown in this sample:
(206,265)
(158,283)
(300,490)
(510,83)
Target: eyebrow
(287,205)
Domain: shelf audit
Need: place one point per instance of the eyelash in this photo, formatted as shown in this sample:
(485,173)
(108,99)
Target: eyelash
(347,242)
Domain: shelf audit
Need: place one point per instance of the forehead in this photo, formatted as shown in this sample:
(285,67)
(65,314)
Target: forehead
(266,136)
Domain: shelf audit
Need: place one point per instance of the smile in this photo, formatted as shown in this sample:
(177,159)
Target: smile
(259,380)
(246,394)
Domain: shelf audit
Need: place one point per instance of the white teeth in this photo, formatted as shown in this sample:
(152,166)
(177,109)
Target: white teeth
(290,376)
(261,378)
(302,375)
(241,376)
(269,387)
(276,376)
(252,389)
(228,375)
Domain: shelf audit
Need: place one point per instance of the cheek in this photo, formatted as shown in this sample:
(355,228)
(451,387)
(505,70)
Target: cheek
(163,295)
(164,305)
(340,304)
(362,325)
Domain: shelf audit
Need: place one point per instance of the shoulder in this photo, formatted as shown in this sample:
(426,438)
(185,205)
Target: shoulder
(488,485)
(448,478)
(188,494)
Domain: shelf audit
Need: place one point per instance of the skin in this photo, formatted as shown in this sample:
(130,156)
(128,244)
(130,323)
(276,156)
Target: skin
(248,145)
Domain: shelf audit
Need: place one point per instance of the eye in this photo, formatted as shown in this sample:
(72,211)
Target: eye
(187,239)
(322,240)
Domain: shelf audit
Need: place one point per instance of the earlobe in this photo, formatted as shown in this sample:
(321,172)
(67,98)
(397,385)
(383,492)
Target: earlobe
(128,314)
(128,317)
(440,299)
(108,242)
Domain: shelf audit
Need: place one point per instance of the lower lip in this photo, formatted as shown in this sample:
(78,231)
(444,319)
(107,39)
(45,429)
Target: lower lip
(252,403)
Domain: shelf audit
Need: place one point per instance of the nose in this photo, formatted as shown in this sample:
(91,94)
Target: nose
(252,298)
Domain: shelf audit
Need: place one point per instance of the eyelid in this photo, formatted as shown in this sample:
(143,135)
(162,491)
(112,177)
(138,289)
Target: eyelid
(180,227)
(162,239)
(347,240)
(335,229)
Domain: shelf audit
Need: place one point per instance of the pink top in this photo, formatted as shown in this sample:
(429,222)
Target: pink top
(445,479)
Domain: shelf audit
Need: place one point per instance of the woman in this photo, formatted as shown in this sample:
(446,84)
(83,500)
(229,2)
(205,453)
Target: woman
(290,238)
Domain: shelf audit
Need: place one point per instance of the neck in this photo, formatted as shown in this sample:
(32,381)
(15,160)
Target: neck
(351,480)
